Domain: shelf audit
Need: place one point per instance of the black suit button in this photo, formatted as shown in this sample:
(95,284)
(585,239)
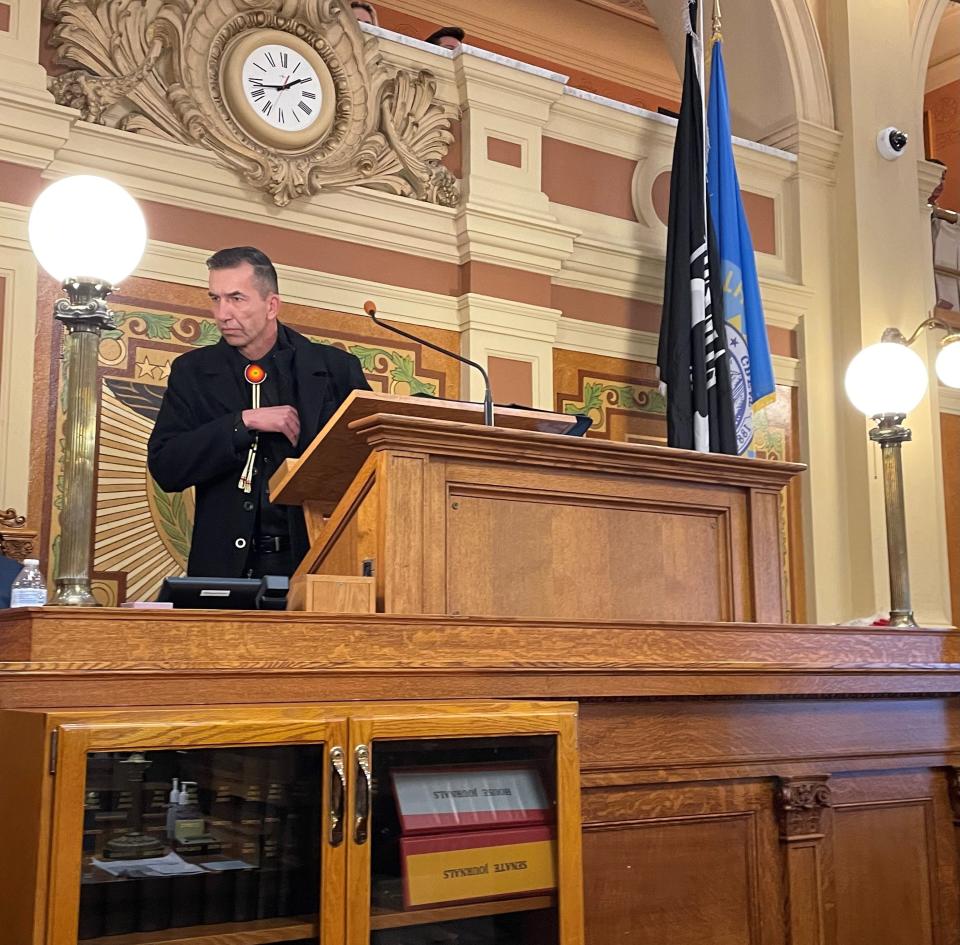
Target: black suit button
(247,506)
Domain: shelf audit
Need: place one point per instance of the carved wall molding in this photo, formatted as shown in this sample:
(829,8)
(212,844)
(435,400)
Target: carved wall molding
(155,67)
(15,540)
(800,803)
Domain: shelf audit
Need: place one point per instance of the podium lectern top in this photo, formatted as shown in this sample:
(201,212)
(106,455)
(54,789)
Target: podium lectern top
(332,460)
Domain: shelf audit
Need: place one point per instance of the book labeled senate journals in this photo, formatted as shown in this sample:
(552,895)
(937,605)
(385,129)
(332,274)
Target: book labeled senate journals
(450,868)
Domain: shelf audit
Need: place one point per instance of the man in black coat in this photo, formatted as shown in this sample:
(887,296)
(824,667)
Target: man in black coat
(234,411)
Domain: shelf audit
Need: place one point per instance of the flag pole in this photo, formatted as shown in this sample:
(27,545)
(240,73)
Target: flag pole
(716,21)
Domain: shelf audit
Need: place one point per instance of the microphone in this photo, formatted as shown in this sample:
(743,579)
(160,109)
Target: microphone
(371,309)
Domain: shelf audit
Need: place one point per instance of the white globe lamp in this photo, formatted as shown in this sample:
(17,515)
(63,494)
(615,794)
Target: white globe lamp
(89,234)
(87,229)
(886,379)
(948,361)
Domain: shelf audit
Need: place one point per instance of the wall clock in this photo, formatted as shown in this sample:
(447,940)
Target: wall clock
(278,89)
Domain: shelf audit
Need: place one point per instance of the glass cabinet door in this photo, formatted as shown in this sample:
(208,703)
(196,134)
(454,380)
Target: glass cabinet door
(206,835)
(465,827)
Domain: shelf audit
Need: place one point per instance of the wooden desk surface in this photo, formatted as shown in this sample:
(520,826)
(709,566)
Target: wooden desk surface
(61,656)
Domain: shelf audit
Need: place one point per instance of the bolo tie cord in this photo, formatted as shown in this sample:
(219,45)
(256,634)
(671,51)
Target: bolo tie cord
(246,477)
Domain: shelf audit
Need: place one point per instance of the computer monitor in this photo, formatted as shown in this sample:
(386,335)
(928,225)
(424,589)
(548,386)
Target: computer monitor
(217,593)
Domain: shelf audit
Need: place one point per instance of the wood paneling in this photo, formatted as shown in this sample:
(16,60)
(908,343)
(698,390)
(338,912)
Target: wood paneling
(642,879)
(700,736)
(682,865)
(574,553)
(883,874)
(895,863)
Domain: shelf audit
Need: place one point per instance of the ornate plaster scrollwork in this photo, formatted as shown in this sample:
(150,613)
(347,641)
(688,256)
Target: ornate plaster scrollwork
(158,66)
(800,802)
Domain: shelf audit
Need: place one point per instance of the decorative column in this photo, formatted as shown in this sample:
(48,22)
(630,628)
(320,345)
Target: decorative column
(801,802)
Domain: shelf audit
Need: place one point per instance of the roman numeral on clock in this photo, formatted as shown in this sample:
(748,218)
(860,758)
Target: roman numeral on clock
(308,94)
(283,60)
(270,58)
(258,94)
(267,107)
(305,107)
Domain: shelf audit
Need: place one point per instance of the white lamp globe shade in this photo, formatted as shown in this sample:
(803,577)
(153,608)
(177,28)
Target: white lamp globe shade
(886,378)
(88,228)
(948,362)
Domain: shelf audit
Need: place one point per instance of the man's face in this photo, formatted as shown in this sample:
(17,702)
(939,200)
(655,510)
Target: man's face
(246,318)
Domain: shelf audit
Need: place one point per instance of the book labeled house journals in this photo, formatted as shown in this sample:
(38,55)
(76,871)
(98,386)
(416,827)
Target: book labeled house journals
(433,800)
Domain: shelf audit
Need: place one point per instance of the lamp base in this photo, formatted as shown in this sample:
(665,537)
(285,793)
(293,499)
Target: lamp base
(903,618)
(73,593)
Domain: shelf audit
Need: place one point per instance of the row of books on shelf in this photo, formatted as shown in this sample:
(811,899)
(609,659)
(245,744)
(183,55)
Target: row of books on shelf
(231,838)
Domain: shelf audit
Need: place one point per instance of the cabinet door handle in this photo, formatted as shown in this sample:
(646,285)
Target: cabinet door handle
(361,821)
(338,790)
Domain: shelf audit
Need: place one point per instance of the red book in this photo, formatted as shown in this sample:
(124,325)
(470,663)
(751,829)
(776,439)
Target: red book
(477,865)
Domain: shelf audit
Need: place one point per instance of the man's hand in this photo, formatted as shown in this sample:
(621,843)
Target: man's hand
(283,420)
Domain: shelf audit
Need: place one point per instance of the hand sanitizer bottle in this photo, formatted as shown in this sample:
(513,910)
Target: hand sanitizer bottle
(172,809)
(28,589)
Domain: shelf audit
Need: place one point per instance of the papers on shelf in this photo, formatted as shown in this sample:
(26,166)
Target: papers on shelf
(169,865)
(220,865)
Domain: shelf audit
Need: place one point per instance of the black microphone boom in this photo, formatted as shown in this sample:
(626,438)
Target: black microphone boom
(371,309)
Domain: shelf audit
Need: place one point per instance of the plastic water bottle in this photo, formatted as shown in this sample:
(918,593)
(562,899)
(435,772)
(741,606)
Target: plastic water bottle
(28,589)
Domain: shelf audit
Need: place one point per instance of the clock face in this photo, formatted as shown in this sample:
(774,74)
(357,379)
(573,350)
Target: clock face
(282,87)
(277,89)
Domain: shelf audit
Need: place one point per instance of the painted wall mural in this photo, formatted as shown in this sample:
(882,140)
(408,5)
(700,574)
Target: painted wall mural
(142,534)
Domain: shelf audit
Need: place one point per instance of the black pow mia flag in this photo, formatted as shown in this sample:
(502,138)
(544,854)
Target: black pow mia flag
(692,356)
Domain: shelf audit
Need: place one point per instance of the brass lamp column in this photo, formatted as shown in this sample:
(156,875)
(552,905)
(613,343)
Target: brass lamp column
(886,381)
(890,435)
(84,314)
(88,262)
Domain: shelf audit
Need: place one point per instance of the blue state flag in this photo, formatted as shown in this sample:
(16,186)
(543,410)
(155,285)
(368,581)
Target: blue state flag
(751,371)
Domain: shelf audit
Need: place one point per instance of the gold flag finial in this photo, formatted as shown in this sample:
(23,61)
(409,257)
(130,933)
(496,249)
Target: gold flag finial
(716,20)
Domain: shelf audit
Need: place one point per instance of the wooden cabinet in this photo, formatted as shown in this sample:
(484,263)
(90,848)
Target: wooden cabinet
(284,826)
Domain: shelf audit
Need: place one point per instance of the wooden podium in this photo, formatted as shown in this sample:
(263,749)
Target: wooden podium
(519,520)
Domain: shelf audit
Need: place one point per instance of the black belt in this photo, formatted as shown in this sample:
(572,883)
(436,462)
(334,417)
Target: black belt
(270,544)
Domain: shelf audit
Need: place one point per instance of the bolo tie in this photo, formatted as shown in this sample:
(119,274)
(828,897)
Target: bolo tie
(254,375)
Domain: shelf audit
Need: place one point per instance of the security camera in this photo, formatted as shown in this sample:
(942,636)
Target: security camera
(891,143)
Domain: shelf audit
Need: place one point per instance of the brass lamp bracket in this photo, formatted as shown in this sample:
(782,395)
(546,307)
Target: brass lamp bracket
(898,337)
